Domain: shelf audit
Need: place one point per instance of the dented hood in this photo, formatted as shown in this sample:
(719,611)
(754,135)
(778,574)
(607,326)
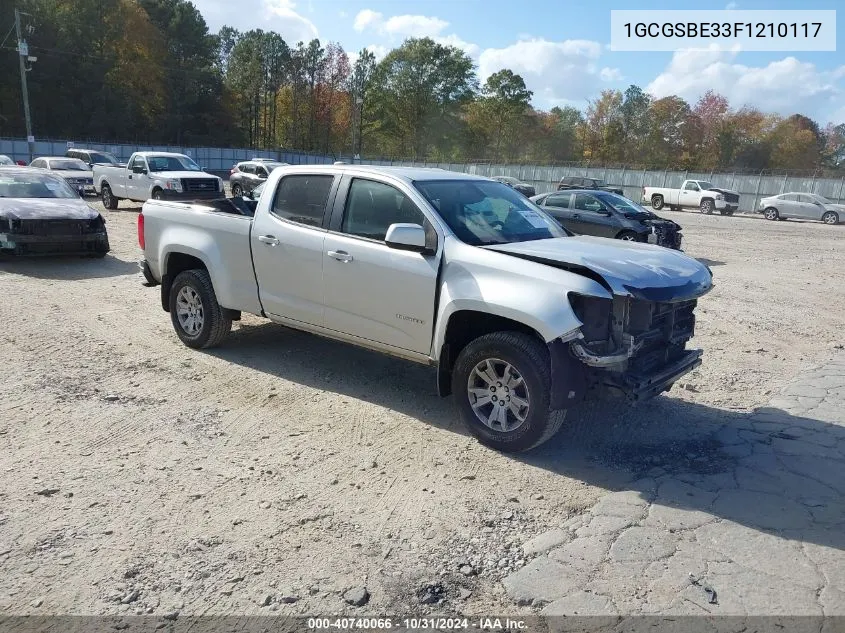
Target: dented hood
(643,271)
(46,209)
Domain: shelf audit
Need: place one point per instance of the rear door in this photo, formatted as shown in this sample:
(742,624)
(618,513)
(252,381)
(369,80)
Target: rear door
(372,291)
(287,248)
(557,205)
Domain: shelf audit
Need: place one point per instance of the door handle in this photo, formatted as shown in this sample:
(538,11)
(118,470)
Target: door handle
(576,215)
(270,240)
(130,176)
(341,256)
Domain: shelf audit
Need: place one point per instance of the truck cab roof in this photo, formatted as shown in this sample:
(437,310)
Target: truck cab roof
(408,174)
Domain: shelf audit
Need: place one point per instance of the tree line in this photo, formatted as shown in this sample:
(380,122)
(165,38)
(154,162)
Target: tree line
(150,71)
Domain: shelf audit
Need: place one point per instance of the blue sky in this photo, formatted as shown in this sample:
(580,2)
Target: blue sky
(562,48)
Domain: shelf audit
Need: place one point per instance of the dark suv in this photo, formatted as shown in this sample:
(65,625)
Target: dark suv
(606,214)
(249,174)
(581,182)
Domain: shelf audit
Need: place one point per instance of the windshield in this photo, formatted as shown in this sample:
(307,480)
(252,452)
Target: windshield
(103,158)
(482,213)
(705,185)
(68,164)
(5,160)
(172,163)
(820,199)
(599,183)
(623,205)
(34,186)
(256,193)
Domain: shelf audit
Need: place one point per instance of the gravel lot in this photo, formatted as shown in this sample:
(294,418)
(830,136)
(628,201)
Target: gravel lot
(280,471)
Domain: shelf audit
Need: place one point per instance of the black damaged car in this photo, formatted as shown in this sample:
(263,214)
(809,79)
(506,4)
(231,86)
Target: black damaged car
(41,215)
(606,214)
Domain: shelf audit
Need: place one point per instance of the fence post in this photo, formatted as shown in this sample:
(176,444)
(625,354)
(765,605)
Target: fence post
(622,184)
(665,173)
(783,184)
(757,190)
(813,184)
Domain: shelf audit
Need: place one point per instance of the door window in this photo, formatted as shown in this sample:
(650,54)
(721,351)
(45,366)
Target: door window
(247,168)
(302,198)
(584,202)
(138,161)
(691,186)
(790,197)
(806,199)
(558,202)
(371,207)
(261,172)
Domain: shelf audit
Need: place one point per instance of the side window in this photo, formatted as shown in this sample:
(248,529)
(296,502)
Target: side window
(138,161)
(569,181)
(691,186)
(584,202)
(302,199)
(247,168)
(37,163)
(371,207)
(806,199)
(790,197)
(558,202)
(260,171)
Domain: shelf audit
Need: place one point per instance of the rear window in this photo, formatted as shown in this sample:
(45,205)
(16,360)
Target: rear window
(302,199)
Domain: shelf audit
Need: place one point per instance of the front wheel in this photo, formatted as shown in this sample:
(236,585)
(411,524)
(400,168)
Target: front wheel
(502,383)
(200,322)
(157,194)
(628,236)
(706,207)
(830,218)
(237,191)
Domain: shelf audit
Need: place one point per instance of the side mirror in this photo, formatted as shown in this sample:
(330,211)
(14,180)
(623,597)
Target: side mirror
(406,237)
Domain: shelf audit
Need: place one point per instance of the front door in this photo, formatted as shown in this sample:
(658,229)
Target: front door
(591,217)
(557,205)
(287,248)
(136,183)
(372,291)
(690,195)
(807,208)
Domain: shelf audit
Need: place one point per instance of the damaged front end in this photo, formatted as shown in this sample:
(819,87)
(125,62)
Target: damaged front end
(633,346)
(28,237)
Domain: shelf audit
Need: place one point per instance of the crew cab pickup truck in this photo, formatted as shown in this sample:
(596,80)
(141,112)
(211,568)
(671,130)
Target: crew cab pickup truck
(693,193)
(157,176)
(520,319)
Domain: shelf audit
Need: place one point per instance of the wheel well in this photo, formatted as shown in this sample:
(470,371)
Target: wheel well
(175,264)
(706,198)
(656,195)
(465,326)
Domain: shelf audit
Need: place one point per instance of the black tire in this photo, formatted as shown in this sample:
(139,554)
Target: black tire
(628,236)
(728,212)
(830,217)
(770,213)
(109,201)
(215,323)
(237,190)
(657,202)
(706,206)
(156,194)
(530,358)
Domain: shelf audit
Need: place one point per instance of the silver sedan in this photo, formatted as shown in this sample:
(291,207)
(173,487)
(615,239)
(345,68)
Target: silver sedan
(806,206)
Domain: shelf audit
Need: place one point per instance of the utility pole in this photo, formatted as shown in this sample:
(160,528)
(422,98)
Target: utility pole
(23,53)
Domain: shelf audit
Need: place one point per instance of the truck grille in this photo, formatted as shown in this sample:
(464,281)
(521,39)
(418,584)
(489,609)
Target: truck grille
(732,198)
(660,330)
(199,185)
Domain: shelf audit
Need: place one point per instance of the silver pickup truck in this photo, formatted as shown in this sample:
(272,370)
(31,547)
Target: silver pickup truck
(520,318)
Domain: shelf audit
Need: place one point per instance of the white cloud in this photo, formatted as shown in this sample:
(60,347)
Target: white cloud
(611,74)
(784,86)
(271,15)
(400,27)
(731,6)
(557,72)
(378,51)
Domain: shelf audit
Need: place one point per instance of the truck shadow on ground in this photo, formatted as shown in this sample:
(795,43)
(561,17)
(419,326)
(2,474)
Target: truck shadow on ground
(68,268)
(769,471)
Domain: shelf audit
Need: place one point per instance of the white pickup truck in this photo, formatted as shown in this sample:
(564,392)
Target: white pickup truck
(699,194)
(520,318)
(157,176)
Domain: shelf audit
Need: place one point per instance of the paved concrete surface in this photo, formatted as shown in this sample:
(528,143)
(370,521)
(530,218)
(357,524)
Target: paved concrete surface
(761,533)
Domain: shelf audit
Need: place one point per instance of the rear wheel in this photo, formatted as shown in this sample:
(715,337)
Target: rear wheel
(200,322)
(706,207)
(109,201)
(657,202)
(830,217)
(501,383)
(771,214)
(157,194)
